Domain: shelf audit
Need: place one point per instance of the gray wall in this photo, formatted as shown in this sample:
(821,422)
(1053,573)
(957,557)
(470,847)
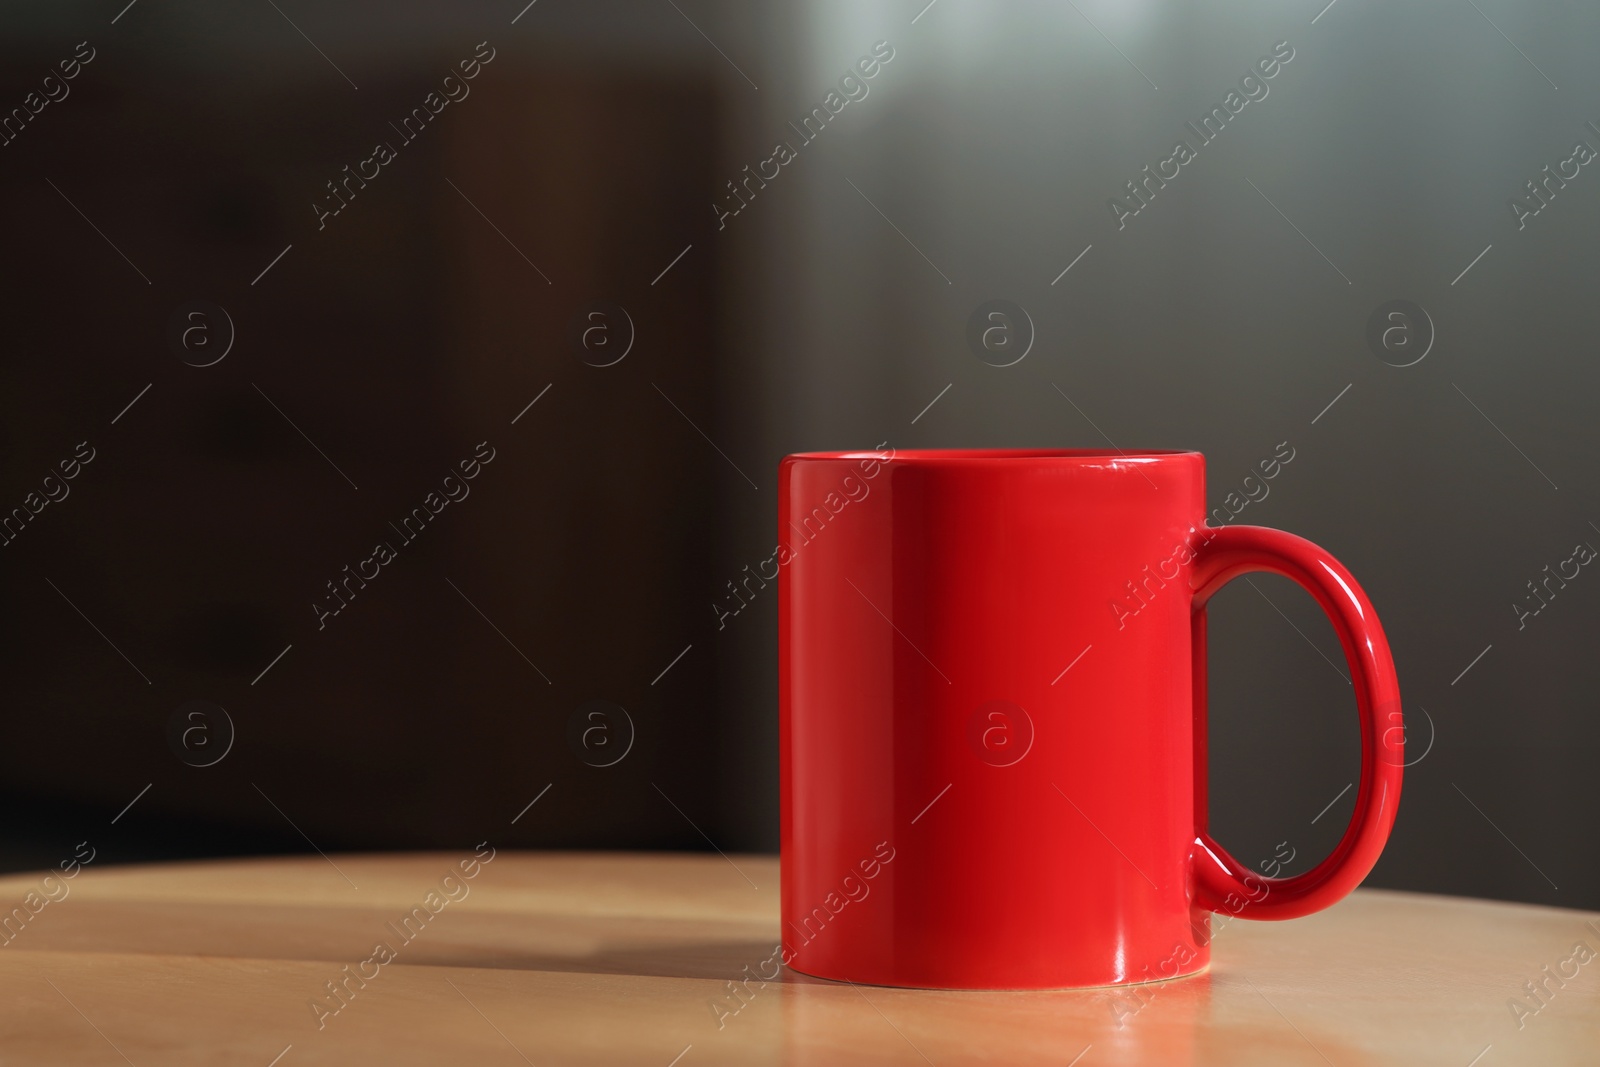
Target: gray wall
(1390,146)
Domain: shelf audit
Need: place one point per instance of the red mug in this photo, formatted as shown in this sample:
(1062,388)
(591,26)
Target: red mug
(992,713)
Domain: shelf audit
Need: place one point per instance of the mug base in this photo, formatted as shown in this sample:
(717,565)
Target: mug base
(1200,968)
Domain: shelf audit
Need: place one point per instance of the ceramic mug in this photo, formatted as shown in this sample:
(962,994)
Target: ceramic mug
(992,718)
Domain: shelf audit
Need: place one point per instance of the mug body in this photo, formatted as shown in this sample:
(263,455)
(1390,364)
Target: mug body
(987,718)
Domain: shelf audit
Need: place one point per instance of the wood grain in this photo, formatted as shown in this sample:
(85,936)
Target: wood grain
(554,958)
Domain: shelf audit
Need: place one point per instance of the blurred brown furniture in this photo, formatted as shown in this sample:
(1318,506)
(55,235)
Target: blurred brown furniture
(408,329)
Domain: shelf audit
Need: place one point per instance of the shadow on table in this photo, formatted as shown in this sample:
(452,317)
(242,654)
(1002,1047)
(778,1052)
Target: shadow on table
(715,960)
(340,936)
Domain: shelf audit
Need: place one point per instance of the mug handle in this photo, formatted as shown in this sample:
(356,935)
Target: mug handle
(1222,883)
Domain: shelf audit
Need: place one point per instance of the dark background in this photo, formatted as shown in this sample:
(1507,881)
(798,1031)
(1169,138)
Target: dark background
(380,350)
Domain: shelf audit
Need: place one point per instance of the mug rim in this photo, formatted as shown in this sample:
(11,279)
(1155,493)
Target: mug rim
(1000,455)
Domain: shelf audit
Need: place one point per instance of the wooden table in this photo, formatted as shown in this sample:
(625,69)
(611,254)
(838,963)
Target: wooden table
(554,959)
